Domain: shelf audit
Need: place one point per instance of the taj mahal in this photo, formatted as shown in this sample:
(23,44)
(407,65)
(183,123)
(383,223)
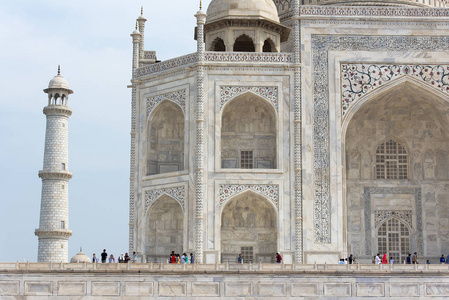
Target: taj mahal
(311,128)
(316,130)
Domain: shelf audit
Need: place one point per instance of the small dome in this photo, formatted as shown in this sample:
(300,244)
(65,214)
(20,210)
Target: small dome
(80,257)
(58,82)
(242,9)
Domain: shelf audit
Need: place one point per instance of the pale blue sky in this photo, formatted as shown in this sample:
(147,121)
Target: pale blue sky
(90,40)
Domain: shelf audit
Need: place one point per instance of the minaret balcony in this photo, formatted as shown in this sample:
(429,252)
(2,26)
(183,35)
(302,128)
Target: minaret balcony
(65,175)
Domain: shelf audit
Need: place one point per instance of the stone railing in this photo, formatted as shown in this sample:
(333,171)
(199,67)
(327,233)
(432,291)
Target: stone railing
(224,267)
(214,57)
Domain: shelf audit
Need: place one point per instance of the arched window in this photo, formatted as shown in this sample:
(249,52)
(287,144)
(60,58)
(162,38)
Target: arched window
(393,238)
(218,45)
(391,161)
(268,46)
(244,44)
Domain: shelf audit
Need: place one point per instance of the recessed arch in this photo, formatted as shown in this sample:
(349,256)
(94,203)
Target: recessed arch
(393,238)
(165,138)
(249,224)
(269,46)
(248,133)
(164,229)
(412,114)
(218,45)
(244,43)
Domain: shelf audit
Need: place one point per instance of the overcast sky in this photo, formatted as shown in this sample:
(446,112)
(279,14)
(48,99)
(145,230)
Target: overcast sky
(90,40)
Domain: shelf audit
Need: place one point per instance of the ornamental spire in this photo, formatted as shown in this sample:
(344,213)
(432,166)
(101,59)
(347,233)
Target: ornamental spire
(59,69)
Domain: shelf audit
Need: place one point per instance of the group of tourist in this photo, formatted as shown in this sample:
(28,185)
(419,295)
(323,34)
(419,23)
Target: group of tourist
(350,260)
(183,259)
(411,259)
(122,258)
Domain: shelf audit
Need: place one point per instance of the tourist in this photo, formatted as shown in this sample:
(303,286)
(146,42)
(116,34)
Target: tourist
(415,258)
(178,259)
(104,256)
(94,258)
(121,259)
(377,259)
(428,262)
(192,259)
(240,259)
(183,258)
(134,257)
(186,258)
(127,258)
(391,260)
(409,259)
(278,258)
(442,260)
(385,259)
(353,260)
(111,258)
(173,258)
(350,259)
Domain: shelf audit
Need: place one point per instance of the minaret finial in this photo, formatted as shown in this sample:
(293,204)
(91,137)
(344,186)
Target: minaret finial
(136,25)
(59,70)
(141,10)
(201,5)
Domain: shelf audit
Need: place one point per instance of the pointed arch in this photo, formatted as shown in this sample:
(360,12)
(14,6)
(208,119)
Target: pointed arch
(249,225)
(218,45)
(244,43)
(164,229)
(248,133)
(269,46)
(165,138)
(393,238)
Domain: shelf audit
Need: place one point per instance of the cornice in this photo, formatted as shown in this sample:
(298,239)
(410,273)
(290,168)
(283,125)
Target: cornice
(55,175)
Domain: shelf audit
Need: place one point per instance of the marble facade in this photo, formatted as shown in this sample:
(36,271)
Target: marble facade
(295,133)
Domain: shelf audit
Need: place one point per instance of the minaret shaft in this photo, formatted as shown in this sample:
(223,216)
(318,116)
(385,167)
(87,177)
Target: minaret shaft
(53,232)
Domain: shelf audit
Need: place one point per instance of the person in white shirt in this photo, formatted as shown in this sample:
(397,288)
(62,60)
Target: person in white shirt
(377,259)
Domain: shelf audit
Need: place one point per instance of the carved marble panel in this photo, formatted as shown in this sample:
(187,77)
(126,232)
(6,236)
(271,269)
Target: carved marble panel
(357,80)
(271,192)
(178,97)
(269,93)
(177,193)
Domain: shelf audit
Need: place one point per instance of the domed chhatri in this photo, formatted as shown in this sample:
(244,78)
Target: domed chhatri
(58,82)
(80,257)
(238,9)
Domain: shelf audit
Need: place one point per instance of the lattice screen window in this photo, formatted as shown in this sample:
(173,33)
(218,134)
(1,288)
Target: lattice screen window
(391,161)
(246,159)
(247,254)
(393,238)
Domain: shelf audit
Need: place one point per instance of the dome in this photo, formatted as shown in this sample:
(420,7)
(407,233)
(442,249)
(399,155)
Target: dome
(80,257)
(242,9)
(58,82)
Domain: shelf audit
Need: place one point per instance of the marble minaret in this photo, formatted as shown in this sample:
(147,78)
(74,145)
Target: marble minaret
(53,232)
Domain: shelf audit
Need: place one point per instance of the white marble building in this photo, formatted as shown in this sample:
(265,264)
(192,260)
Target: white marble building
(315,129)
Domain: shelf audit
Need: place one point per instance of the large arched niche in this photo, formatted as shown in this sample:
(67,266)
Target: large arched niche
(248,134)
(164,230)
(165,139)
(248,222)
(414,116)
